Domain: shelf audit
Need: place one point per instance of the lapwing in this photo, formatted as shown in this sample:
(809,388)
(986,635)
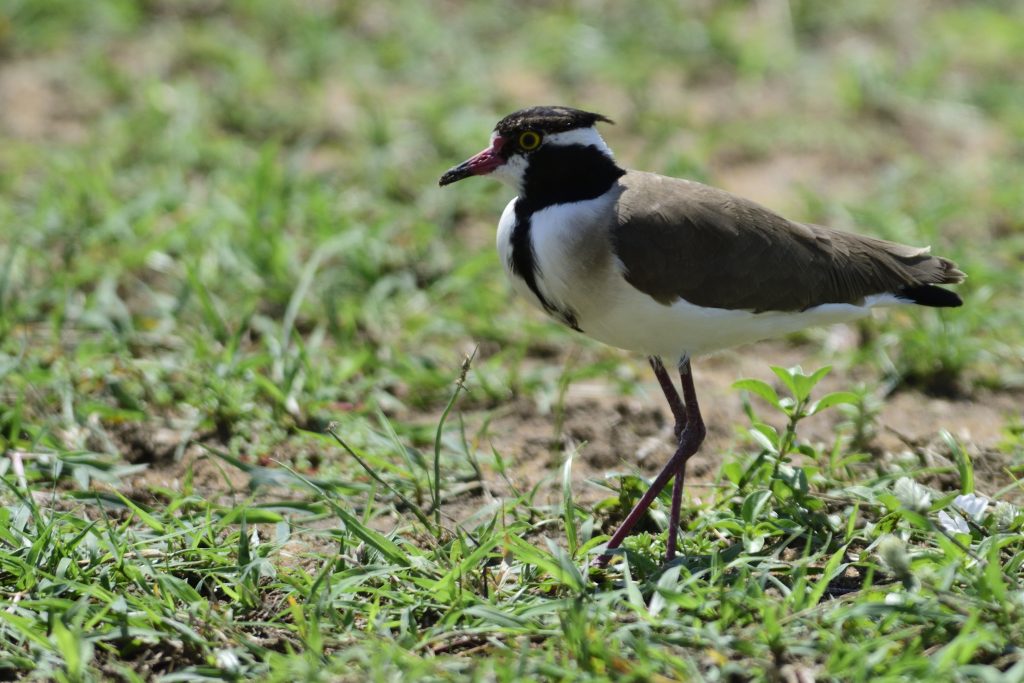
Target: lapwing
(672,268)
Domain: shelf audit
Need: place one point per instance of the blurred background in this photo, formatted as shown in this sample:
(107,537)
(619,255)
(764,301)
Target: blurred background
(221,231)
(222,217)
(225,214)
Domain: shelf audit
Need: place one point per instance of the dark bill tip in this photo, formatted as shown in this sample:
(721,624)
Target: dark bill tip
(455,174)
(479,164)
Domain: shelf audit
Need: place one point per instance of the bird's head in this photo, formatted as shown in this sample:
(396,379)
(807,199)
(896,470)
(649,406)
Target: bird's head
(534,135)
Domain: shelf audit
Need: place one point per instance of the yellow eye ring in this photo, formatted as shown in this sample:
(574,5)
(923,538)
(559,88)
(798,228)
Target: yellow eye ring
(529,140)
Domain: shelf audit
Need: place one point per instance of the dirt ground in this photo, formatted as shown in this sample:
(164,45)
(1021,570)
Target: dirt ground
(633,434)
(615,434)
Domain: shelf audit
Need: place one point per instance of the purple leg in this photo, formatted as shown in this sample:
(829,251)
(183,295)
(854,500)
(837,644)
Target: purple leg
(669,389)
(673,517)
(679,413)
(690,437)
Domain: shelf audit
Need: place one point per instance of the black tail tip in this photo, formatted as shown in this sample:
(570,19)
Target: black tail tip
(930,295)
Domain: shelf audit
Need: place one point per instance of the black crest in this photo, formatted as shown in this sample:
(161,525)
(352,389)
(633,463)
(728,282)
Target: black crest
(548,120)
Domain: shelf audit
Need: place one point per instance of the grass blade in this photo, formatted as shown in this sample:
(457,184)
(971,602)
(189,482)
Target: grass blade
(568,506)
(460,385)
(964,465)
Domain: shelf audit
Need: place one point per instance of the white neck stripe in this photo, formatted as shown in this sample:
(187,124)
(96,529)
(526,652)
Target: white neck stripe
(588,137)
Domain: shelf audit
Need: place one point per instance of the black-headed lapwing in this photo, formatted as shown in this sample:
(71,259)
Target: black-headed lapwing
(673,268)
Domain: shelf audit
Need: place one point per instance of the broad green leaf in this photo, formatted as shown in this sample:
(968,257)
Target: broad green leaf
(917,519)
(833,399)
(815,377)
(891,502)
(753,543)
(753,504)
(766,436)
(733,471)
(667,584)
(788,376)
(762,389)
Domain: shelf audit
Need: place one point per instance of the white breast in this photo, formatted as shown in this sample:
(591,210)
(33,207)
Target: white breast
(572,253)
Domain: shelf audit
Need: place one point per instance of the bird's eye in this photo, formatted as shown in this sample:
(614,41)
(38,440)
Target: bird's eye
(529,140)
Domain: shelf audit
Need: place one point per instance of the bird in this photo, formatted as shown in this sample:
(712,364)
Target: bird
(673,268)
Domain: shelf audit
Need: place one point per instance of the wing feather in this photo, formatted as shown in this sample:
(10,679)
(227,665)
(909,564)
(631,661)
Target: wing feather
(681,239)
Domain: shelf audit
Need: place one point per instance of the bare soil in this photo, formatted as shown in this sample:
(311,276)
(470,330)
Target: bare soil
(633,435)
(613,435)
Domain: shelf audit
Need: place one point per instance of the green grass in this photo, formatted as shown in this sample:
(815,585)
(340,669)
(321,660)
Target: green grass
(235,308)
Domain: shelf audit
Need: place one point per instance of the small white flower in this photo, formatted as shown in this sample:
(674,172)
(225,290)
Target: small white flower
(954,524)
(227,661)
(894,598)
(973,506)
(912,495)
(1005,515)
(893,552)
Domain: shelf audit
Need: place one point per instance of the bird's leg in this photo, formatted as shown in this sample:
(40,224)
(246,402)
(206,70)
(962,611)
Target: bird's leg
(671,395)
(692,418)
(679,413)
(674,511)
(689,441)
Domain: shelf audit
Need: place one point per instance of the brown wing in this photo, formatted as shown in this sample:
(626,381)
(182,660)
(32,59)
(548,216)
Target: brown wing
(678,238)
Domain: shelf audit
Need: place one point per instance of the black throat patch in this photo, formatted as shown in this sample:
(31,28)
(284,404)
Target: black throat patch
(556,175)
(567,173)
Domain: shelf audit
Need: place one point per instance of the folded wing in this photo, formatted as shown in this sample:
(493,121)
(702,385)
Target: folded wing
(681,239)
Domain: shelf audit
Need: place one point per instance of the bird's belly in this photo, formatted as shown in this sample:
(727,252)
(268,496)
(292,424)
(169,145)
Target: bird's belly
(634,321)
